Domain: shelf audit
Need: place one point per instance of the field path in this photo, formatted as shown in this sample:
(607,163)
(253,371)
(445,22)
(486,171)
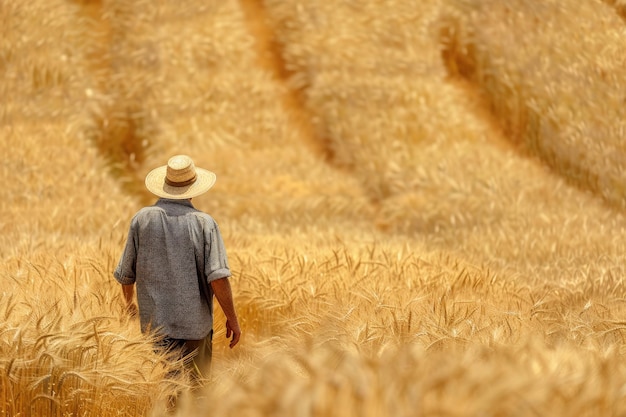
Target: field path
(567,110)
(270,57)
(197,80)
(426,144)
(52,171)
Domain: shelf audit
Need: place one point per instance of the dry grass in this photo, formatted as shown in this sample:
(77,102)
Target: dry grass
(422,257)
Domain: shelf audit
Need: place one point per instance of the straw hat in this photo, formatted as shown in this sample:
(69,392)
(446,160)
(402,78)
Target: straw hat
(179,179)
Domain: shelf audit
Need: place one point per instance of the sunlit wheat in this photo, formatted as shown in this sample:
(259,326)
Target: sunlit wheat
(420,202)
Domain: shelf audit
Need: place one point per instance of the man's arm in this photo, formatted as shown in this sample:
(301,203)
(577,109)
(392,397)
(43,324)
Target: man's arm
(129,292)
(223,293)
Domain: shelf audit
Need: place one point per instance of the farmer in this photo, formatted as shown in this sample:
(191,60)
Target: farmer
(175,255)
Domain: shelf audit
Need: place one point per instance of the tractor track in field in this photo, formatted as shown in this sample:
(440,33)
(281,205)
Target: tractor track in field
(127,155)
(270,57)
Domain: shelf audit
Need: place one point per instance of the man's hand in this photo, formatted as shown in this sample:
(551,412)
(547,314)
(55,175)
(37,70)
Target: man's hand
(129,293)
(224,295)
(234,330)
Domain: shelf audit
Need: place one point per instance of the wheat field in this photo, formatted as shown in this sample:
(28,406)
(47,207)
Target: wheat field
(422,202)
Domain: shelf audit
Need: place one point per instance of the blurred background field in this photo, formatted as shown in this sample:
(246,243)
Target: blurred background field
(422,201)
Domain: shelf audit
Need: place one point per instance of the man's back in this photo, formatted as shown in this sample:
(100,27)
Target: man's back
(170,244)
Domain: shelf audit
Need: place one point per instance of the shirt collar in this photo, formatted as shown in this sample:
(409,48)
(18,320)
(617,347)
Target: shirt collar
(162,201)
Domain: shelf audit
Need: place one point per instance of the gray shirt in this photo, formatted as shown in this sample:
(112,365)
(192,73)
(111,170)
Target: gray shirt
(169,246)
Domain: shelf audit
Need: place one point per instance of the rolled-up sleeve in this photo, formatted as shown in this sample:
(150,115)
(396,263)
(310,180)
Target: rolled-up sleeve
(215,259)
(125,273)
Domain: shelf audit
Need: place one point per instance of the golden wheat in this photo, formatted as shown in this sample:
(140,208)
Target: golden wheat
(67,348)
(413,261)
(63,348)
(567,109)
(214,102)
(448,173)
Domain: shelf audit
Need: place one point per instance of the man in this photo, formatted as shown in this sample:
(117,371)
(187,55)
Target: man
(175,256)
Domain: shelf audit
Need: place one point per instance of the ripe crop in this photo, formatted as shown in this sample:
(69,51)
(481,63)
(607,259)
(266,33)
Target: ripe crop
(422,203)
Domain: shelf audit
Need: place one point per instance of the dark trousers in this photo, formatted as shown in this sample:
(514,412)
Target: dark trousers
(195,353)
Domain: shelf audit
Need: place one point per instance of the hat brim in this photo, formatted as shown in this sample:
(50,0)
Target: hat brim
(155,183)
